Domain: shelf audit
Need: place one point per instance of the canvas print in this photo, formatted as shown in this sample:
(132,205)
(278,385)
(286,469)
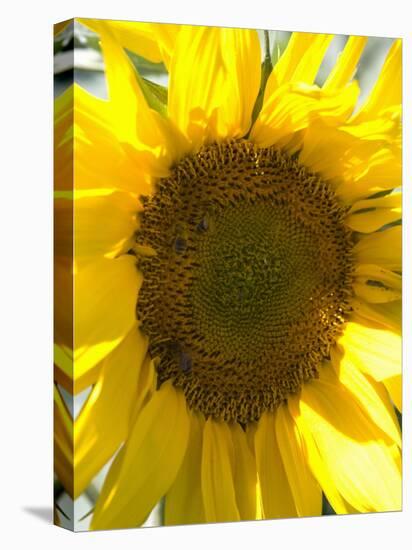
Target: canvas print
(227,274)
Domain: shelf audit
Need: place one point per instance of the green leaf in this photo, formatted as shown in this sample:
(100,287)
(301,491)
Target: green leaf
(144,66)
(155,94)
(160,92)
(266,69)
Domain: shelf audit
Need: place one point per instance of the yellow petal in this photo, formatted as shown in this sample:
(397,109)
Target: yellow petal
(63,368)
(370,215)
(389,124)
(360,163)
(300,61)
(103,423)
(104,224)
(374,350)
(184,502)
(376,284)
(137,37)
(63,114)
(346,64)
(387,315)
(214,81)
(370,395)
(218,488)
(241,55)
(63,305)
(148,463)
(317,154)
(317,464)
(295,106)
(146,387)
(100,153)
(306,491)
(166,36)
(153,143)
(63,442)
(105,308)
(245,478)
(387,91)
(63,141)
(276,494)
(364,465)
(381,171)
(394,387)
(153,41)
(64,371)
(291,101)
(250,433)
(383,248)
(63,228)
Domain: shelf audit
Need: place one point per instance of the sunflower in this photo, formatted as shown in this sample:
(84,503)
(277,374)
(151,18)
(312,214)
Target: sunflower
(237,280)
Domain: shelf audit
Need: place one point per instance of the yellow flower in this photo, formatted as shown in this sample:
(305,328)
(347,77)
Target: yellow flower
(237,287)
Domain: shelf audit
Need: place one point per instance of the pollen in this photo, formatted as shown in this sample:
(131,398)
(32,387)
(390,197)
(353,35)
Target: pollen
(250,280)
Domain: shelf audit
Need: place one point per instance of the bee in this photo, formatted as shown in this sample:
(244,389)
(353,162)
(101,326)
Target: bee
(180,356)
(180,240)
(185,362)
(203,225)
(180,245)
(206,223)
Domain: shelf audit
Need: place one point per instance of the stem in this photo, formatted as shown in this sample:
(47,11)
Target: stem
(268,59)
(265,72)
(267,62)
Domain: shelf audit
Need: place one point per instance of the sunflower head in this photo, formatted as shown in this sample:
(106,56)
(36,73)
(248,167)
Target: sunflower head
(250,278)
(237,278)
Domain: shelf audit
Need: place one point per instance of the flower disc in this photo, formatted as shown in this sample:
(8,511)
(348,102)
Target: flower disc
(249,280)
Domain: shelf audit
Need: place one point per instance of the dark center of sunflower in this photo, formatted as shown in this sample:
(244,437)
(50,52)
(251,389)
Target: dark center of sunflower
(250,280)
